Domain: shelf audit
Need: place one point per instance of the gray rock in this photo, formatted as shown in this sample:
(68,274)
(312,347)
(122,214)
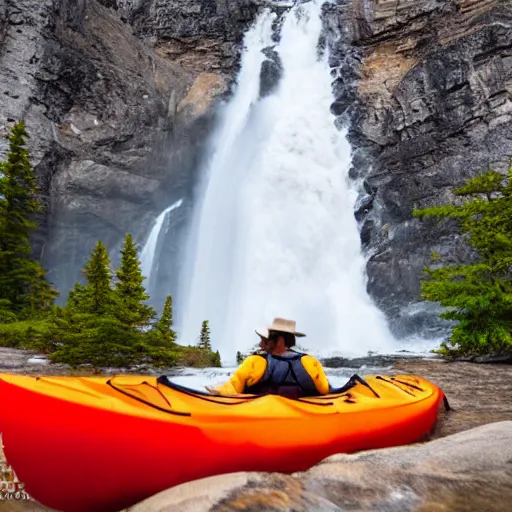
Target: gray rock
(466,471)
(196,35)
(363,206)
(117,120)
(377,362)
(426,109)
(271,72)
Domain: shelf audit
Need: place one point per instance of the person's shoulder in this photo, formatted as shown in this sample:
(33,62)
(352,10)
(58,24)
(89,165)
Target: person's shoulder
(253,363)
(255,359)
(311,360)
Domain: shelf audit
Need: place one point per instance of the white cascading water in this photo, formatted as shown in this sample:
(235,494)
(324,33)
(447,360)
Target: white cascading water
(147,255)
(275,234)
(207,276)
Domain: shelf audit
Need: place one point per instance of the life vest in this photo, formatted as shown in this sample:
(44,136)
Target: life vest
(284,376)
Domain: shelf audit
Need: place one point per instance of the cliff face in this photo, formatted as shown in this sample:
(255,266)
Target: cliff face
(117,97)
(428,101)
(195,35)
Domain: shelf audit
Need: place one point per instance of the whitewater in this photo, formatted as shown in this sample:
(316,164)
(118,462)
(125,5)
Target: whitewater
(274,232)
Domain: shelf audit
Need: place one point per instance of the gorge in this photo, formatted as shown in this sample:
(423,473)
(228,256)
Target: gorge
(120,99)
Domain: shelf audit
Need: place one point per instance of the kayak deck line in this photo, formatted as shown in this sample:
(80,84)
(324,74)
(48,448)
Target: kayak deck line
(169,411)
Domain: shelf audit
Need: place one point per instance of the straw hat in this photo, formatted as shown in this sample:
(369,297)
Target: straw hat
(279,325)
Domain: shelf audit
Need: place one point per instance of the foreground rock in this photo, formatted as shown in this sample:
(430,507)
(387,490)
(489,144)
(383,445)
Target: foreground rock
(467,471)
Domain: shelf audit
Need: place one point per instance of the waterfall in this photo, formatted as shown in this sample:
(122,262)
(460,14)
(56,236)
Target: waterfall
(211,249)
(147,255)
(275,233)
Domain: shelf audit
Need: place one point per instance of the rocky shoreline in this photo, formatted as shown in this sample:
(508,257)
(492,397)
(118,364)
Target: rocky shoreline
(478,393)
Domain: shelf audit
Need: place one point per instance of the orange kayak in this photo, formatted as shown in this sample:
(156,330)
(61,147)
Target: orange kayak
(82,444)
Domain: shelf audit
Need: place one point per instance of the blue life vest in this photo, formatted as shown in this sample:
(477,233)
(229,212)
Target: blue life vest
(284,376)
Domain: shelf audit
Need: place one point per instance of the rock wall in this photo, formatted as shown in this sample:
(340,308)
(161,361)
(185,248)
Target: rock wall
(118,99)
(195,35)
(425,87)
(203,39)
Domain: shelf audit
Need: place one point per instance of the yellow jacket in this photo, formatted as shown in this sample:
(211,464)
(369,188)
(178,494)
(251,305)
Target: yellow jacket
(252,370)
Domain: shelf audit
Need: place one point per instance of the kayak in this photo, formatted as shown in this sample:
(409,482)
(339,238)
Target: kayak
(81,444)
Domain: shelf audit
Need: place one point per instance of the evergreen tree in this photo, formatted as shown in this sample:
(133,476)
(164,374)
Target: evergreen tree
(97,326)
(98,340)
(96,297)
(164,323)
(239,357)
(130,290)
(478,294)
(88,329)
(22,279)
(6,314)
(216,360)
(204,339)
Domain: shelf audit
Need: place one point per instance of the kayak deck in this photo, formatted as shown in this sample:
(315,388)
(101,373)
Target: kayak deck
(150,396)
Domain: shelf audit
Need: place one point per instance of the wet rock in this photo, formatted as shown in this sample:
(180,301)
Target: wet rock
(14,359)
(271,72)
(466,471)
(374,361)
(493,358)
(363,206)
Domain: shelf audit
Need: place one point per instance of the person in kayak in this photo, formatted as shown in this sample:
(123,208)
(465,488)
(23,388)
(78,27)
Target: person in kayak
(278,369)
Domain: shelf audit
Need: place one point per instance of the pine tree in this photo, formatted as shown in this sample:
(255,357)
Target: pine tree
(97,340)
(89,330)
(204,339)
(162,349)
(164,323)
(239,357)
(130,290)
(94,329)
(6,315)
(22,279)
(216,360)
(478,294)
(97,296)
